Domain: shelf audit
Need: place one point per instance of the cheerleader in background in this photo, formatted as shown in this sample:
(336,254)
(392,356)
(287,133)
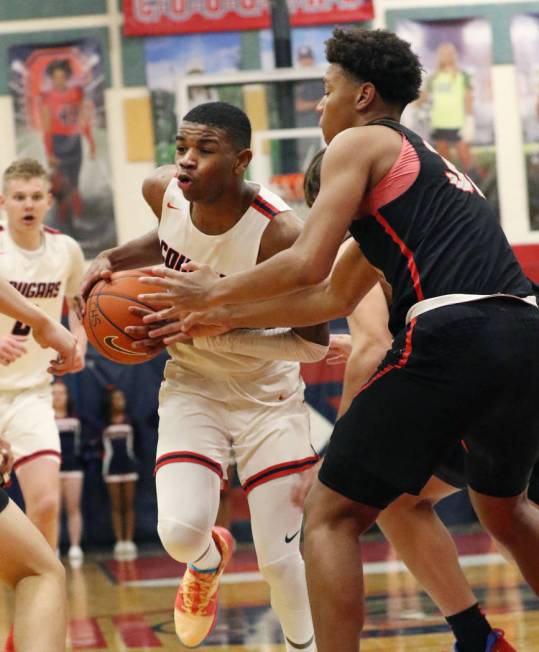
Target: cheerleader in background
(120,472)
(71,470)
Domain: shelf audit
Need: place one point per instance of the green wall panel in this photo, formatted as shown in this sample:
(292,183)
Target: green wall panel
(133,60)
(51,38)
(30,9)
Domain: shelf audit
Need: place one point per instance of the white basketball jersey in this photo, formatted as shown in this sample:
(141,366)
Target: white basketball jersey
(45,276)
(233,251)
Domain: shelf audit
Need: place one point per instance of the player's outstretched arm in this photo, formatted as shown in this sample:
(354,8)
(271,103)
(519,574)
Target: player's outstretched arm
(345,176)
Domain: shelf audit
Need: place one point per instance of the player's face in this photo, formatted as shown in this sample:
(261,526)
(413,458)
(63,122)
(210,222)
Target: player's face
(206,162)
(338,105)
(59,396)
(26,202)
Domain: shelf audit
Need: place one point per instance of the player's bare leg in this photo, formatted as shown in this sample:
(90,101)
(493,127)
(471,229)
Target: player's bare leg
(514,522)
(422,540)
(40,485)
(332,552)
(30,566)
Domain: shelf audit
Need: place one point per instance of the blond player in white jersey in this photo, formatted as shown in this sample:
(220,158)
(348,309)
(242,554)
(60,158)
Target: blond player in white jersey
(44,266)
(227,395)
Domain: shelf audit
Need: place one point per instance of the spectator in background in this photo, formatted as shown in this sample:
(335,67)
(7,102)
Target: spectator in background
(120,472)
(66,114)
(449,92)
(71,470)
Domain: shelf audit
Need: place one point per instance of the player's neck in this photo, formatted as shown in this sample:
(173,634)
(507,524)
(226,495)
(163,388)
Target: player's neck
(221,215)
(60,414)
(27,239)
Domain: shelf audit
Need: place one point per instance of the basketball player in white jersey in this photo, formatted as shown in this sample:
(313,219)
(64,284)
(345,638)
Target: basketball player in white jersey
(27,562)
(231,394)
(44,266)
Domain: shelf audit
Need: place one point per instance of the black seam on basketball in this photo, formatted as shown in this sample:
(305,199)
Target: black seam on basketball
(125,296)
(112,323)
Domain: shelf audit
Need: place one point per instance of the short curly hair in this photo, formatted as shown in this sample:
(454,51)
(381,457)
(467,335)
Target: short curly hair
(380,57)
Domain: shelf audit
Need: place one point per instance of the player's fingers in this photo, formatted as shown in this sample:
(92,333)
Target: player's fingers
(147,344)
(139,312)
(182,338)
(161,315)
(192,266)
(166,329)
(136,331)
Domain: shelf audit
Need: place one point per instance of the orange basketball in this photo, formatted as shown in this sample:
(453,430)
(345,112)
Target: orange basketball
(106,316)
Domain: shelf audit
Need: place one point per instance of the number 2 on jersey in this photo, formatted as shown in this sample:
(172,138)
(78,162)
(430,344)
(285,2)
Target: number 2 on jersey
(21,329)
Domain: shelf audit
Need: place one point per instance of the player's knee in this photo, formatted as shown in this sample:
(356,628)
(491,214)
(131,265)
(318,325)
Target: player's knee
(284,571)
(44,508)
(183,541)
(501,517)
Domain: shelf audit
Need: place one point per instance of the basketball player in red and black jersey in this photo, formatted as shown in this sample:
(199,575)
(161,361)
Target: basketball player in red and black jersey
(65,117)
(464,362)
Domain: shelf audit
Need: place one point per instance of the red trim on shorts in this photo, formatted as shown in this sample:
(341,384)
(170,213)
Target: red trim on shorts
(464,445)
(405,252)
(263,206)
(279,471)
(188,456)
(401,363)
(33,456)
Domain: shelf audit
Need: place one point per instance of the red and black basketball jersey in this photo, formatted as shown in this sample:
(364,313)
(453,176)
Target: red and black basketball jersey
(436,234)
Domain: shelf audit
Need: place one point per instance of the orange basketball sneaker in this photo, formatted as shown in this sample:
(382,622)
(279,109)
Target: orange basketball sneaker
(195,611)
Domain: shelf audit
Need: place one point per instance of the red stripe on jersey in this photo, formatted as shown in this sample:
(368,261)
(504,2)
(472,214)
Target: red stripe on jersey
(49,452)
(278,471)
(188,456)
(264,207)
(49,229)
(401,363)
(405,252)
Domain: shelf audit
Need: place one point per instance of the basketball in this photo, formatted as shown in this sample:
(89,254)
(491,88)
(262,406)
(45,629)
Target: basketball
(107,315)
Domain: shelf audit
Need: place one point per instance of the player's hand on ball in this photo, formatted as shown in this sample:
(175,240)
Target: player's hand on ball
(141,334)
(100,268)
(180,292)
(173,332)
(11,348)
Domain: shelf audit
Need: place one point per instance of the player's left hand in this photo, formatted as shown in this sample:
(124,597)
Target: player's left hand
(181,292)
(141,334)
(173,332)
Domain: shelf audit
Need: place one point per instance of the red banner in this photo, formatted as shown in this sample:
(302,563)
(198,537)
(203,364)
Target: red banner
(153,17)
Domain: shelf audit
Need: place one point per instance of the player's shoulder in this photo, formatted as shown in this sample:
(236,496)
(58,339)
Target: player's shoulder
(155,185)
(284,226)
(62,242)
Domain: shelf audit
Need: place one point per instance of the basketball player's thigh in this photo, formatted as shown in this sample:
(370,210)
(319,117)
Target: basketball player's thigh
(272,441)
(192,428)
(31,427)
(392,438)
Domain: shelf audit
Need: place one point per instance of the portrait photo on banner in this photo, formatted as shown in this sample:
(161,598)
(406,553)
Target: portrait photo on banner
(525,38)
(58,98)
(455,109)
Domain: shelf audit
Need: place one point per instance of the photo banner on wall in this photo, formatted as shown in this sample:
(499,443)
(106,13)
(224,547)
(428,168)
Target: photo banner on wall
(59,105)
(525,38)
(455,110)
(154,17)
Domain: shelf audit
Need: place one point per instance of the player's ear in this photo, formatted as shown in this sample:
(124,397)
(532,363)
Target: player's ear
(2,201)
(365,96)
(242,160)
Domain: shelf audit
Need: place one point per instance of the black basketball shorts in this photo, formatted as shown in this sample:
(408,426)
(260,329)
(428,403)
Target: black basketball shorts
(467,372)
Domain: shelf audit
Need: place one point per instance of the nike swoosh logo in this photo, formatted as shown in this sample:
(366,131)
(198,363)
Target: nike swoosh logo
(171,205)
(288,539)
(109,341)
